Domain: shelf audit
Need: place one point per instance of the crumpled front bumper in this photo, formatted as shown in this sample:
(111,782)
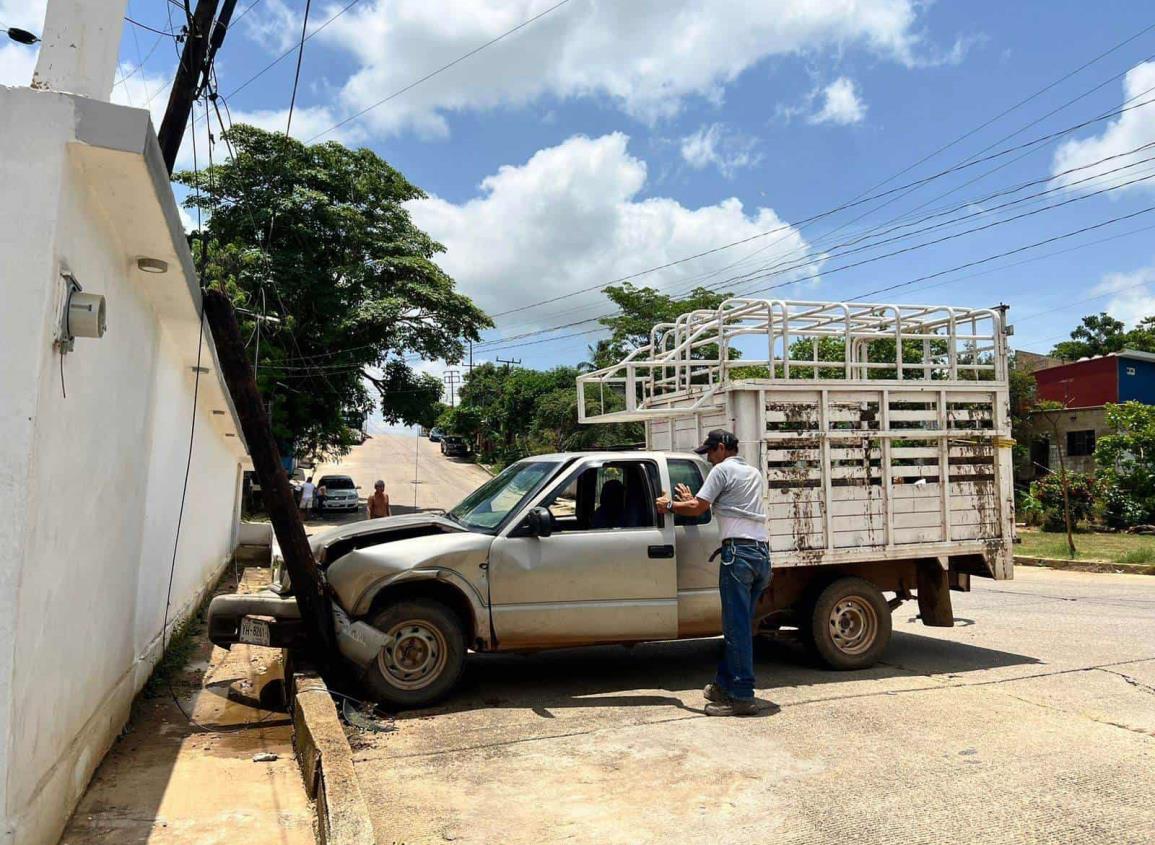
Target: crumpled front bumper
(284,616)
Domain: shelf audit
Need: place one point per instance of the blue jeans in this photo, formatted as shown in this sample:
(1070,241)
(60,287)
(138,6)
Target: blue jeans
(743,575)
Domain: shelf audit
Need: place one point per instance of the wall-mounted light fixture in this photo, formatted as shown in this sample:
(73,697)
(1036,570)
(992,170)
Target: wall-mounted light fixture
(83,314)
(152,265)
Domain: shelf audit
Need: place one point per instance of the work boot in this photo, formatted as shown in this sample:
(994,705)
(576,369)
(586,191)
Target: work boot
(713,692)
(732,707)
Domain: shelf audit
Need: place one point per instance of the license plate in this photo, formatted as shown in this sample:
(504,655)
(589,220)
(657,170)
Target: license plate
(254,631)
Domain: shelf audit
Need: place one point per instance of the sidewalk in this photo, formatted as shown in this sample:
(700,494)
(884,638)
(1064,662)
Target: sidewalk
(169,782)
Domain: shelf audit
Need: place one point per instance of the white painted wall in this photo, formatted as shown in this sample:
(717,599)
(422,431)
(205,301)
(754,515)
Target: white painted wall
(90,484)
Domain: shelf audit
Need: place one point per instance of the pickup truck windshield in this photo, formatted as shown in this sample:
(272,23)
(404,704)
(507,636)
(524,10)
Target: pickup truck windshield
(487,507)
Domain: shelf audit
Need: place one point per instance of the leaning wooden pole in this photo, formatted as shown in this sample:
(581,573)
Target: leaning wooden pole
(308,582)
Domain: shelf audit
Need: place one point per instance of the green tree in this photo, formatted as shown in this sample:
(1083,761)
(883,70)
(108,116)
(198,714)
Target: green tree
(1096,334)
(350,277)
(1023,398)
(643,308)
(1126,460)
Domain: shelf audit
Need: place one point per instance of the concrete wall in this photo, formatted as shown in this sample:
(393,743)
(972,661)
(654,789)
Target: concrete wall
(1078,419)
(90,484)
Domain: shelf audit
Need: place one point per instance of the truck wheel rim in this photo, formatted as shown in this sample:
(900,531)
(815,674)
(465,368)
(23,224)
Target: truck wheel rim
(853,625)
(413,656)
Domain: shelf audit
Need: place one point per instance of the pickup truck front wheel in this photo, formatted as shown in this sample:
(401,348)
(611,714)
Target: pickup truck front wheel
(850,624)
(423,656)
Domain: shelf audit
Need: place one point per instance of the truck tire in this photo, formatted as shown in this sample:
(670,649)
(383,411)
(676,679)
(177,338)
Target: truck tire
(850,624)
(426,657)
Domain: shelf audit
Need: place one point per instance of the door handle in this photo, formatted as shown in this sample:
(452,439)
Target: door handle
(660,551)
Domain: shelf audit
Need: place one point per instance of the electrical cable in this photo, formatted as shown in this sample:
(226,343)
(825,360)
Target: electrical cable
(501,346)
(440,70)
(149,28)
(826,256)
(297,74)
(906,189)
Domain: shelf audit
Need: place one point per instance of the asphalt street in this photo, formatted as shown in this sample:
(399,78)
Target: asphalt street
(1031,721)
(399,460)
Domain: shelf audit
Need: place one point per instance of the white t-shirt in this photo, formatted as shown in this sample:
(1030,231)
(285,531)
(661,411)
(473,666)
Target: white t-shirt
(734,490)
(307,491)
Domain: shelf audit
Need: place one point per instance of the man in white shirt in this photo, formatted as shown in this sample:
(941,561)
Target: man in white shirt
(734,490)
(307,491)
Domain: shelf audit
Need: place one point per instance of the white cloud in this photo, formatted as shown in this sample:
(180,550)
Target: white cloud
(841,104)
(570,218)
(1133,295)
(1128,131)
(717,146)
(647,56)
(276,28)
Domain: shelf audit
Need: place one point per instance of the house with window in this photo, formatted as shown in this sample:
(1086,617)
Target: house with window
(1084,388)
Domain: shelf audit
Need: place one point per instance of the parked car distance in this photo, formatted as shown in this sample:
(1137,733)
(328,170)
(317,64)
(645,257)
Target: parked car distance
(435,435)
(340,493)
(453,446)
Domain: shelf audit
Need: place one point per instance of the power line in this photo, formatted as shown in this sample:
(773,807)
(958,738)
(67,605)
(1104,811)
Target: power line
(814,218)
(149,28)
(502,346)
(291,50)
(754,275)
(297,75)
(439,70)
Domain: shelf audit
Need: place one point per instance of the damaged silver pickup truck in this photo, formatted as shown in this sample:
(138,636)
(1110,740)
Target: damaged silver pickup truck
(886,463)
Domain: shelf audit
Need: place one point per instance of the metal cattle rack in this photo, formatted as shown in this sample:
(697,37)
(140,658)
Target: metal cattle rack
(883,429)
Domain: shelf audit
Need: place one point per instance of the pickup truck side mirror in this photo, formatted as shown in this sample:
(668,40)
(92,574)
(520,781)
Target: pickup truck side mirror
(540,522)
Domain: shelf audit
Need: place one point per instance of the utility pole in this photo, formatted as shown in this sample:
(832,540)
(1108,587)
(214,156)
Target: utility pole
(512,362)
(451,378)
(309,584)
(187,81)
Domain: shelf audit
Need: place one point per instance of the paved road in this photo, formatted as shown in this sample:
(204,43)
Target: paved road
(1031,722)
(397,459)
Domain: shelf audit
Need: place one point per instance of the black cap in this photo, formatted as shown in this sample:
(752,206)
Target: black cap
(718,436)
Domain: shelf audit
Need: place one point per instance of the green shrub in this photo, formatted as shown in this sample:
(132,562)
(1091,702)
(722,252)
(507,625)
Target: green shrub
(1048,491)
(1029,509)
(1121,509)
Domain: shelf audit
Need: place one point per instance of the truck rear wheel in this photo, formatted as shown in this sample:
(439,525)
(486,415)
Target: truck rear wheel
(850,624)
(424,657)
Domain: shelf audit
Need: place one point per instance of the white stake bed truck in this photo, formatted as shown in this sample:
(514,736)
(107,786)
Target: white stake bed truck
(883,434)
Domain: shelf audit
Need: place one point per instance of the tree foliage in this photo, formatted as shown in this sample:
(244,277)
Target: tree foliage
(350,277)
(1102,334)
(509,413)
(1126,460)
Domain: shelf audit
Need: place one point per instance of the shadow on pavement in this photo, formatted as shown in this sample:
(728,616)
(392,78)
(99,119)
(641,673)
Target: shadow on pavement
(596,676)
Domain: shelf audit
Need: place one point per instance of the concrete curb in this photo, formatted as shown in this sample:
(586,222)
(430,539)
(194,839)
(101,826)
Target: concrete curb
(1086,565)
(326,762)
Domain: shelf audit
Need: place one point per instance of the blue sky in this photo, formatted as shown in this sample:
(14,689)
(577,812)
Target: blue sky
(606,138)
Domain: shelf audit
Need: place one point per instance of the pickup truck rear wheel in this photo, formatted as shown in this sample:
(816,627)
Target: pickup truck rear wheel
(850,624)
(423,657)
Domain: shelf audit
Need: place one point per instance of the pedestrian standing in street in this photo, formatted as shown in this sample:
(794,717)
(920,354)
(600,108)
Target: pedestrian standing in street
(734,490)
(321,491)
(378,503)
(308,490)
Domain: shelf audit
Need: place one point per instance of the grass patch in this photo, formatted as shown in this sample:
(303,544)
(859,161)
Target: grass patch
(1090,546)
(182,643)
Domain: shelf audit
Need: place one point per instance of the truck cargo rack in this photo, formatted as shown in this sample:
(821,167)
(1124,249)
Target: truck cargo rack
(883,430)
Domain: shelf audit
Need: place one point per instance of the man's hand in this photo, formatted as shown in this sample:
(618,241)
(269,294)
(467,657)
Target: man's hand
(662,502)
(682,493)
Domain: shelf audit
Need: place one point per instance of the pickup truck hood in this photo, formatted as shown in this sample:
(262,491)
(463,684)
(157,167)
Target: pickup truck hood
(358,533)
(355,577)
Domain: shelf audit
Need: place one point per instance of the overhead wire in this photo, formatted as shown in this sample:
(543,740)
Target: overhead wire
(827,256)
(440,70)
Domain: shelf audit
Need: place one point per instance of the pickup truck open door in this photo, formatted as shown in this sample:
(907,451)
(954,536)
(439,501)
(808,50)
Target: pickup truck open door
(602,570)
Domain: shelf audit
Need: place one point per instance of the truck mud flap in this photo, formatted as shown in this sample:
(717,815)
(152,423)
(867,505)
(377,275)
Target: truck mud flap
(934,605)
